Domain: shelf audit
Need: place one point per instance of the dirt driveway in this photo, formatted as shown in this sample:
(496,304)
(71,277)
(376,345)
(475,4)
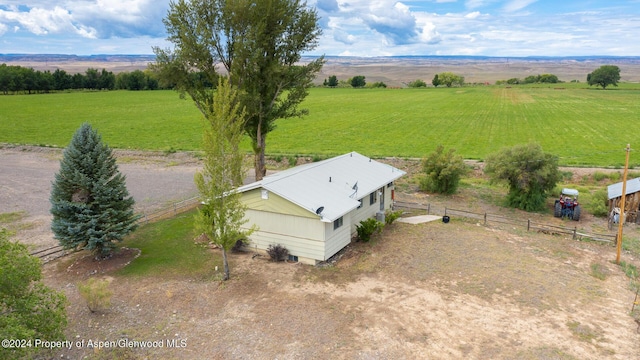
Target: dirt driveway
(155,180)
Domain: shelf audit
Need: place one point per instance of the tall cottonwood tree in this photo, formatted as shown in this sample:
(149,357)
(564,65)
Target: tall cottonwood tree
(222,212)
(257,43)
(90,204)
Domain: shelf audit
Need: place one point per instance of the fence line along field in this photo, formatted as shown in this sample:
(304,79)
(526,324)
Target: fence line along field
(581,125)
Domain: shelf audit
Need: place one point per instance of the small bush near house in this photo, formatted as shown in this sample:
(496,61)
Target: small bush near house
(277,252)
(367,228)
(390,216)
(96,293)
(238,246)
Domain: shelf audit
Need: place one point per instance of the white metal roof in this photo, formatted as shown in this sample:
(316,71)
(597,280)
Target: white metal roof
(615,190)
(335,184)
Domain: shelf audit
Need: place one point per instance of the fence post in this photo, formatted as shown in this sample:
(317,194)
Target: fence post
(429,209)
(485,218)
(445,211)
(528,224)
(574,232)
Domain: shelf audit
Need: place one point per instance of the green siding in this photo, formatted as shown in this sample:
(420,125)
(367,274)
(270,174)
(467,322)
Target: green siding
(276,204)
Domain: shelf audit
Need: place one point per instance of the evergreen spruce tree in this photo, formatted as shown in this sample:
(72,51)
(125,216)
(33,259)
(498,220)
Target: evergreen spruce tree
(90,204)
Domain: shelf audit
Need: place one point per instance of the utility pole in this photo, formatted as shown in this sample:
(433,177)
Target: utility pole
(623,218)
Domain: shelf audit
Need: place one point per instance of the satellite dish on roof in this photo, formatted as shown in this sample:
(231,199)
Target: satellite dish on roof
(320,209)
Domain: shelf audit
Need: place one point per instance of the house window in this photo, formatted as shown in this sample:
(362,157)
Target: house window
(373,197)
(337,223)
(265,194)
(293,258)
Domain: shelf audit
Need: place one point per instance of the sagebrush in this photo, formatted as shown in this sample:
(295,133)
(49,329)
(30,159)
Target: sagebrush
(96,293)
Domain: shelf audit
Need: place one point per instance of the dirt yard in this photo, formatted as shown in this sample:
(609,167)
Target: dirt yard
(435,291)
(459,290)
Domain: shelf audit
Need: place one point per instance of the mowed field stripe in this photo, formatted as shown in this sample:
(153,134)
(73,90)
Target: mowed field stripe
(581,125)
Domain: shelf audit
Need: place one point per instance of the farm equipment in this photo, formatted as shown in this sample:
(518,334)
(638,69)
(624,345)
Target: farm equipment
(567,205)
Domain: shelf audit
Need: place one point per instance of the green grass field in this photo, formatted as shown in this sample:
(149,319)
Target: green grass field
(581,125)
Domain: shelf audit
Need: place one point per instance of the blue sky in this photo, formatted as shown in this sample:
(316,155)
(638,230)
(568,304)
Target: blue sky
(350,27)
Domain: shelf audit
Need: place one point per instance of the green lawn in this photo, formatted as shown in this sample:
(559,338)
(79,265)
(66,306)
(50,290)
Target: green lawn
(168,249)
(581,125)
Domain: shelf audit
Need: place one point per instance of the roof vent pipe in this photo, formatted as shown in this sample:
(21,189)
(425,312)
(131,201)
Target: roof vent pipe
(329,178)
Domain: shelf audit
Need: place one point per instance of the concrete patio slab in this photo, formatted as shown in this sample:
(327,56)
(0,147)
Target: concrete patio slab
(419,219)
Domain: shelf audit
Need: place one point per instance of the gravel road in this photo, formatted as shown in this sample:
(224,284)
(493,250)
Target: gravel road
(155,180)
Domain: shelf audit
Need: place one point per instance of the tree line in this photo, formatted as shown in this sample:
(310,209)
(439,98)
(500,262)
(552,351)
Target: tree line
(24,80)
(603,76)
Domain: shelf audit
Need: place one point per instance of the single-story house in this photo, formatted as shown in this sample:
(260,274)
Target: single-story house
(631,202)
(313,209)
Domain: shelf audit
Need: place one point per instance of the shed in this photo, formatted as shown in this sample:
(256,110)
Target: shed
(313,209)
(632,200)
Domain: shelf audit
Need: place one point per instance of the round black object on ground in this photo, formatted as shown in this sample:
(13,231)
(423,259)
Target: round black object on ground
(445,219)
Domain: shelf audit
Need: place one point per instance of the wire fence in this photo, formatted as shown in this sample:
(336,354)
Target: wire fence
(528,224)
(57,251)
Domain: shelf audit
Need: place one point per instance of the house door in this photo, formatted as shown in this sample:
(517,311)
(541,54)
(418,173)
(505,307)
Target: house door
(381,193)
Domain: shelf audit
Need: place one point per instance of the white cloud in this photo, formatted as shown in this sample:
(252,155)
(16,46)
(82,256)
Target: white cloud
(515,5)
(473,15)
(40,21)
(344,37)
(88,18)
(474,4)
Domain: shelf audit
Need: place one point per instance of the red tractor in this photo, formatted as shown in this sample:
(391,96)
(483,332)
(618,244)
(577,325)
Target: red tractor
(567,205)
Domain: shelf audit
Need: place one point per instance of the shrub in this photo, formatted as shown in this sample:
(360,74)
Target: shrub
(378,84)
(367,228)
(390,216)
(599,176)
(277,252)
(530,173)
(238,245)
(96,293)
(598,205)
(28,308)
(443,171)
(293,161)
(417,84)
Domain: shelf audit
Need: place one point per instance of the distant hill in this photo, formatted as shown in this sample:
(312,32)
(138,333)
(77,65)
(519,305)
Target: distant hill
(67,57)
(392,70)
